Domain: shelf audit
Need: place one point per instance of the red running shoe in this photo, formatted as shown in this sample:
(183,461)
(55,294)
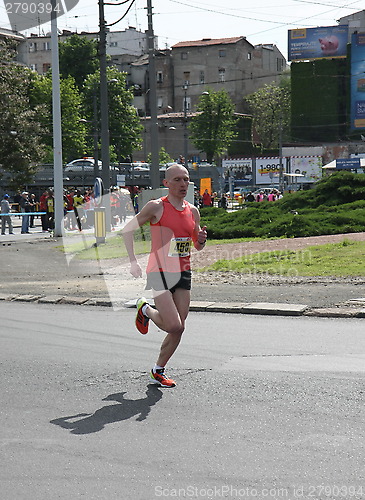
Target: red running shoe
(160,378)
(141,320)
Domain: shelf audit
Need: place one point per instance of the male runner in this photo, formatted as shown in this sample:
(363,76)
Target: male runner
(175,226)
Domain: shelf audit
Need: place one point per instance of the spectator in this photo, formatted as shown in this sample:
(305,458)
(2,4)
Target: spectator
(124,200)
(271,196)
(214,196)
(24,208)
(207,199)
(260,196)
(6,219)
(32,208)
(250,197)
(223,201)
(43,208)
(50,210)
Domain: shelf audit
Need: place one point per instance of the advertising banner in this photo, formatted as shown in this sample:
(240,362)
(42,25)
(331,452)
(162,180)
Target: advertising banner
(347,163)
(240,169)
(309,166)
(268,170)
(317,43)
(358,81)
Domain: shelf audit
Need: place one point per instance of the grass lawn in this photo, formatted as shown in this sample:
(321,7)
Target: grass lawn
(337,259)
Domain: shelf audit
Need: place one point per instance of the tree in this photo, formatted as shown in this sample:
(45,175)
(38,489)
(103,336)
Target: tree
(124,124)
(213,129)
(73,130)
(78,57)
(20,120)
(163,156)
(270,107)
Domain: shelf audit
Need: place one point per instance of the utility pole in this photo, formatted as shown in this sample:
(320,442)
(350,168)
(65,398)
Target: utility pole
(155,161)
(104,116)
(57,130)
(95,132)
(185,88)
(281,168)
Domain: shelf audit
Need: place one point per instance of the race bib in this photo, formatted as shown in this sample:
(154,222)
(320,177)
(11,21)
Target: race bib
(180,247)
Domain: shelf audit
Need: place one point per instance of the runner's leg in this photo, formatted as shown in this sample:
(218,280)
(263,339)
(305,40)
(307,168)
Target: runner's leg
(170,315)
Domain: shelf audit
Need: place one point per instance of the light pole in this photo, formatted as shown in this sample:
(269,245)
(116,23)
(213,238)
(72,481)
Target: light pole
(104,116)
(95,133)
(155,163)
(281,168)
(185,88)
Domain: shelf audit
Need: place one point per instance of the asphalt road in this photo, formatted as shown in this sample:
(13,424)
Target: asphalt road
(265,407)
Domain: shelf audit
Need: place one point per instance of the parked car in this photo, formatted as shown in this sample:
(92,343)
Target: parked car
(82,164)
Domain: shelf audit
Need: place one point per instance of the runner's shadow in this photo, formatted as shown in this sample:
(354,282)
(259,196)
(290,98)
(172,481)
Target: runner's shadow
(86,423)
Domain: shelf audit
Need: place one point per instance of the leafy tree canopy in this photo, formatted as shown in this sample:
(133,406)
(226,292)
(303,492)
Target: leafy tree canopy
(270,108)
(73,131)
(124,124)
(20,120)
(213,129)
(164,157)
(78,57)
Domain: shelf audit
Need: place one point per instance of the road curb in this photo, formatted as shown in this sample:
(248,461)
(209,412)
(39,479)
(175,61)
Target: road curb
(259,308)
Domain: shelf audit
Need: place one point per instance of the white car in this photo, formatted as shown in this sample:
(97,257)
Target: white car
(82,165)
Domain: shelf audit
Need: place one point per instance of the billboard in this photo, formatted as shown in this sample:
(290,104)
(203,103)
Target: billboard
(309,166)
(357,91)
(268,170)
(240,169)
(317,43)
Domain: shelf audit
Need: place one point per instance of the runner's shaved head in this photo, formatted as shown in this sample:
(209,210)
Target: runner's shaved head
(173,170)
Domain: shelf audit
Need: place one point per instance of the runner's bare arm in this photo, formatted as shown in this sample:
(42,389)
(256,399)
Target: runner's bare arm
(149,213)
(200,233)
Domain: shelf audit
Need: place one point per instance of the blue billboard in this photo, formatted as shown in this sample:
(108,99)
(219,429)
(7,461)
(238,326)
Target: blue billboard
(358,81)
(317,43)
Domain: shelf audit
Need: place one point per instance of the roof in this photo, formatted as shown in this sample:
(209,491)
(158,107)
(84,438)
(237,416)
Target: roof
(209,41)
(5,33)
(189,114)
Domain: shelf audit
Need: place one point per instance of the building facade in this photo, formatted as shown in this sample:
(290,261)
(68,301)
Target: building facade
(122,47)
(232,64)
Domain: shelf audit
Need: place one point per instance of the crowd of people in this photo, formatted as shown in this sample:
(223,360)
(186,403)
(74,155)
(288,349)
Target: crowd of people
(208,199)
(79,206)
(78,209)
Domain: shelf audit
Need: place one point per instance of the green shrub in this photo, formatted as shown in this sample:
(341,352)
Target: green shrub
(335,205)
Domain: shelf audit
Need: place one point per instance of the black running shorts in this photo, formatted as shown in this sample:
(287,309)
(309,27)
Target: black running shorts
(169,281)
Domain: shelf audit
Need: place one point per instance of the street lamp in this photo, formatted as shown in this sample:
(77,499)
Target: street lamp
(185,89)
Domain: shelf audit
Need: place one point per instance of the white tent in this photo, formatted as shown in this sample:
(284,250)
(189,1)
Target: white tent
(332,164)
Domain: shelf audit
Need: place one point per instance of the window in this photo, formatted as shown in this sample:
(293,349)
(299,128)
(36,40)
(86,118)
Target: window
(159,77)
(202,77)
(222,75)
(46,45)
(184,55)
(279,64)
(33,67)
(249,56)
(222,53)
(186,77)
(46,67)
(159,102)
(33,47)
(113,44)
